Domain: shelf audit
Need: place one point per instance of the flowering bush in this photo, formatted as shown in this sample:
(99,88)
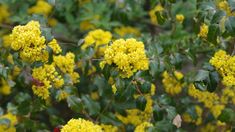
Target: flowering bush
(117,65)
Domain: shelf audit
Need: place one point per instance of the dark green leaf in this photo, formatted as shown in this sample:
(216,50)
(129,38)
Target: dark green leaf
(213,33)
(92,106)
(141,103)
(75,103)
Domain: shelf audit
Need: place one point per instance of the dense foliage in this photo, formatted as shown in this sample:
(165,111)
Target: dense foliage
(117,65)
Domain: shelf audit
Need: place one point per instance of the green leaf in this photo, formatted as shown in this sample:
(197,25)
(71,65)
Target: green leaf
(47,33)
(92,106)
(50,52)
(141,103)
(172,1)
(202,75)
(145,88)
(227,115)
(161,18)
(230,26)
(24,107)
(213,33)
(217,17)
(213,81)
(109,118)
(231,5)
(165,100)
(171,112)
(75,103)
(158,113)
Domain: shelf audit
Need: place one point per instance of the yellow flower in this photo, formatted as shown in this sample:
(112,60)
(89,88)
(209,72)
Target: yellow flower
(128,55)
(44,78)
(153,89)
(109,128)
(143,126)
(224,5)
(208,128)
(180,18)
(10,59)
(42,7)
(136,116)
(94,95)
(66,64)
(81,125)
(5,89)
(4,13)
(203,96)
(188,118)
(203,31)
(123,31)
(114,88)
(216,110)
(6,41)
(152,13)
(13,121)
(86,25)
(172,84)
(224,64)
(16,71)
(55,46)
(62,95)
(52,22)
(29,42)
(97,38)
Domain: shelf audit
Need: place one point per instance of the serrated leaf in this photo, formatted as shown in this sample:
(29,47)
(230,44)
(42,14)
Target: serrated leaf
(217,17)
(213,33)
(92,106)
(141,103)
(75,103)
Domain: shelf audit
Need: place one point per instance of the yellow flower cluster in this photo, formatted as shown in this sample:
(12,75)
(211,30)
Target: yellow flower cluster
(203,96)
(4,13)
(109,128)
(66,64)
(123,31)
(45,77)
(203,31)
(210,100)
(224,64)
(172,83)
(5,89)
(128,55)
(80,125)
(187,118)
(216,110)
(223,5)
(6,41)
(42,7)
(97,38)
(180,18)
(228,94)
(143,126)
(62,95)
(13,121)
(152,13)
(29,42)
(136,116)
(55,46)
(86,25)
